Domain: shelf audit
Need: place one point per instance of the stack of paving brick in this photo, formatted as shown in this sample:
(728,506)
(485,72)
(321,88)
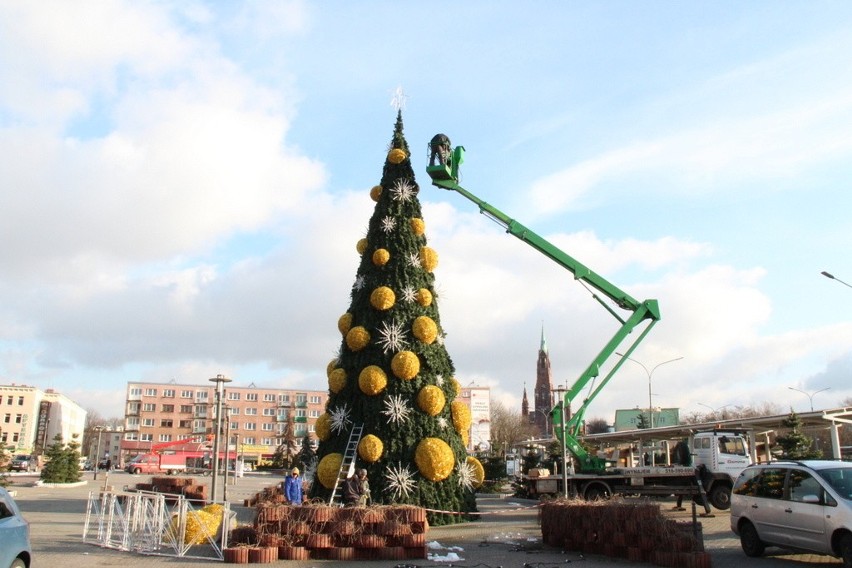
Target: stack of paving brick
(171,485)
(616,528)
(319,531)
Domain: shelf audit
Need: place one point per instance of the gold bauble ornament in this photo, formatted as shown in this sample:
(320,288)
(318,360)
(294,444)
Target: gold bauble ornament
(382,298)
(418,227)
(376,192)
(370,448)
(478,471)
(431,400)
(425,329)
(381,257)
(461,416)
(424,297)
(396,156)
(434,459)
(372,380)
(405,365)
(337,380)
(357,338)
(328,469)
(361,246)
(322,427)
(344,323)
(428,258)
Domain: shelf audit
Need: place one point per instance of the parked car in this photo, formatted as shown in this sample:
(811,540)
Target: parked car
(15,546)
(22,463)
(803,506)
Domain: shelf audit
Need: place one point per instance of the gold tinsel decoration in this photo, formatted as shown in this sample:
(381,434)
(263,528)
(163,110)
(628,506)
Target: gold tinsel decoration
(200,525)
(405,365)
(461,416)
(478,471)
(361,246)
(396,156)
(357,338)
(381,257)
(372,380)
(337,380)
(418,227)
(376,192)
(322,427)
(428,258)
(434,459)
(344,323)
(425,329)
(370,448)
(431,400)
(328,469)
(382,298)
(424,297)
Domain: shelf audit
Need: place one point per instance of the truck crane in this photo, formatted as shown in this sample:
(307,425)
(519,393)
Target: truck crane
(444,170)
(715,458)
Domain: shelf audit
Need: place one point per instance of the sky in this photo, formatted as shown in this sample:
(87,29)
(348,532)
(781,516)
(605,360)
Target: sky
(182,185)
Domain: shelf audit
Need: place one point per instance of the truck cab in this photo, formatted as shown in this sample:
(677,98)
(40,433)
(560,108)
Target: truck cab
(720,456)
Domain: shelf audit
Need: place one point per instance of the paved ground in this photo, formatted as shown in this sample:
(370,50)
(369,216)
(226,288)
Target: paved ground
(507,536)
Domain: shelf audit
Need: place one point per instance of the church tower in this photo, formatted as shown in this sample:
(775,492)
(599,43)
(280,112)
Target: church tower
(543,391)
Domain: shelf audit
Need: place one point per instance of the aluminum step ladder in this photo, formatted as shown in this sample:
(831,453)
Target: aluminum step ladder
(347,466)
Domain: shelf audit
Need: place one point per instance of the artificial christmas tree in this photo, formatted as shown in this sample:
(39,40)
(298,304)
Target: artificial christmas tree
(393,375)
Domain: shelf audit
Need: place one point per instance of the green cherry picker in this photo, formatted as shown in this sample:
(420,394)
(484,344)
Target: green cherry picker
(444,162)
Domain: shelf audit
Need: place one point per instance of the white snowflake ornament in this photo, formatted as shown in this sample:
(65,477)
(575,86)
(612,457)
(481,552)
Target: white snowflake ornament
(400,481)
(402,191)
(392,337)
(396,409)
(388,224)
(340,419)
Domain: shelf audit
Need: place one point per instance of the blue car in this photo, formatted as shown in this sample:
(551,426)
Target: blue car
(15,548)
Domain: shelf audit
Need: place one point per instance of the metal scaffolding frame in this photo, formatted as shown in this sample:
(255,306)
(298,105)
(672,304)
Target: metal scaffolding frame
(153,524)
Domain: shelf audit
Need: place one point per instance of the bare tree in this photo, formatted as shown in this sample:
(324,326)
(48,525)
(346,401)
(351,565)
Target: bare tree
(507,427)
(597,426)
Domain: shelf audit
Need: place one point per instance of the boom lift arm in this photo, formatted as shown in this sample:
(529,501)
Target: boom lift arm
(444,174)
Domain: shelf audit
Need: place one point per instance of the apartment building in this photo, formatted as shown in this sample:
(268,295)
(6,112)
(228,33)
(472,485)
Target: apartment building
(254,418)
(31,418)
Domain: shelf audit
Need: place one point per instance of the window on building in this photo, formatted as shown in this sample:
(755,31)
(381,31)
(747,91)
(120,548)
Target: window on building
(9,399)
(133,408)
(315,399)
(233,396)
(199,425)
(251,426)
(201,395)
(132,421)
(146,437)
(148,422)
(301,431)
(166,423)
(310,428)
(300,414)
(267,442)
(4,437)
(269,412)
(234,411)
(185,424)
(249,441)
(165,437)
(251,411)
(251,396)
(20,401)
(150,392)
(7,418)
(301,397)
(136,391)
(268,426)
(131,436)
(186,409)
(235,425)
(149,407)
(284,398)
(269,397)
(185,394)
(200,410)
(18,418)
(15,437)
(168,408)
(314,413)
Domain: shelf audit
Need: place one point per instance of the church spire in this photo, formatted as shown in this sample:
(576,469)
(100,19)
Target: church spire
(543,347)
(525,403)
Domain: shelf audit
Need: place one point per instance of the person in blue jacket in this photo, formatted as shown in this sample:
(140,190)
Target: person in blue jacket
(293,487)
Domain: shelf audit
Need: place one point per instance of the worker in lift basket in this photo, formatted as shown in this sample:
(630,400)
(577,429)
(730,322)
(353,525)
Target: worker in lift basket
(293,487)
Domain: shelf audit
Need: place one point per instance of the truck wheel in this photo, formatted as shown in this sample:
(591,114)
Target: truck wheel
(750,541)
(720,497)
(597,492)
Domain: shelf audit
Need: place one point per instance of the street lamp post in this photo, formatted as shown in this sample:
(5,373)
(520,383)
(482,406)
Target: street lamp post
(810,395)
(220,381)
(833,277)
(546,415)
(99,430)
(650,374)
(715,410)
